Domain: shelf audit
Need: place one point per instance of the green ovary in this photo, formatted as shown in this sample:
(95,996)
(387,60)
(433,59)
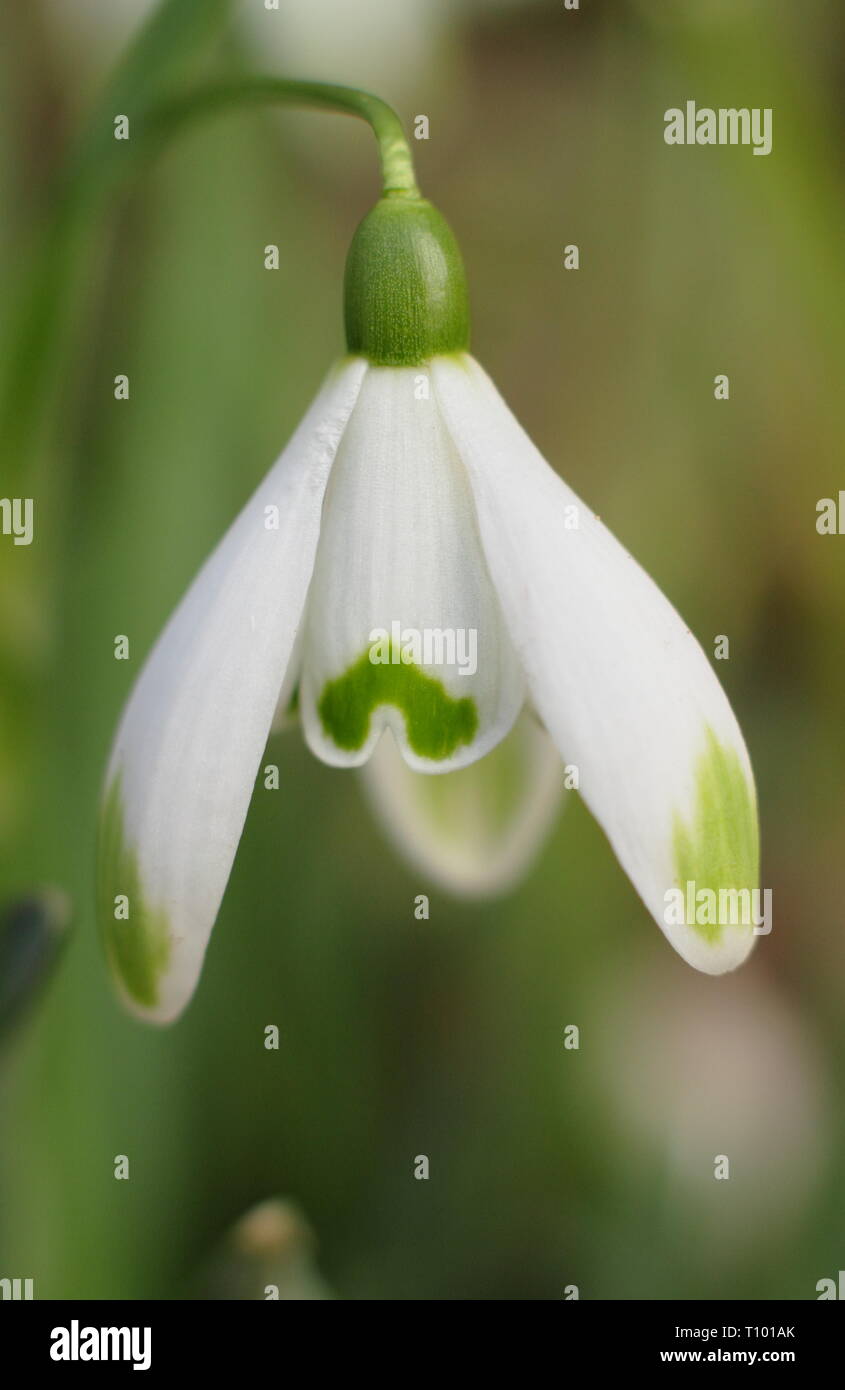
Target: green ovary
(138,947)
(719,848)
(435,723)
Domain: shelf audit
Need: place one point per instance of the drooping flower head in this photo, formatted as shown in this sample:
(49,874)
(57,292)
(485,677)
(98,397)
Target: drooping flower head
(412,570)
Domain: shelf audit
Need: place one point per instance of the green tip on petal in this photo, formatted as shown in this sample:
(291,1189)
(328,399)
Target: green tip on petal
(137,944)
(435,723)
(718,851)
(405,289)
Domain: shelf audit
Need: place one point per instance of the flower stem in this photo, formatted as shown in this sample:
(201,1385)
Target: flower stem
(397,166)
(101,166)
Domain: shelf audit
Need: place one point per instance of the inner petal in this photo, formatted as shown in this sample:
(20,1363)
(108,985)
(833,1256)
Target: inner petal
(403,627)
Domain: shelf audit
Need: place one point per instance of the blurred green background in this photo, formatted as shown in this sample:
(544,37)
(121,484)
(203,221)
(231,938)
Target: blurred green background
(549,1167)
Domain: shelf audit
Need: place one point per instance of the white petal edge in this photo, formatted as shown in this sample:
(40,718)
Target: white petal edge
(620,683)
(473,832)
(190,740)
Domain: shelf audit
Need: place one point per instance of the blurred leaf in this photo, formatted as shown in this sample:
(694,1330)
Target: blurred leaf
(163,53)
(32,933)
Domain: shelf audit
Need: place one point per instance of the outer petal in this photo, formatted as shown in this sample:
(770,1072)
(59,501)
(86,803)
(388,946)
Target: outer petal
(619,681)
(475,831)
(400,555)
(184,761)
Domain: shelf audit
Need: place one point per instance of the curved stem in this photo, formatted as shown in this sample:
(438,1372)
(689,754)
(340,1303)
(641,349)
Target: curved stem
(103,164)
(397,166)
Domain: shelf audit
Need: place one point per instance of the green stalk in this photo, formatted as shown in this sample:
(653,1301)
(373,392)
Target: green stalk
(395,159)
(101,167)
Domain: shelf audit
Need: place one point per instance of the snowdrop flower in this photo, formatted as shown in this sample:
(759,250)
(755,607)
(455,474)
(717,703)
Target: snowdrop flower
(738,1074)
(412,569)
(270,1249)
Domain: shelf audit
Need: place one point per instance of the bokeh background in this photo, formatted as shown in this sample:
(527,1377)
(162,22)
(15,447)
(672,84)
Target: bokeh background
(549,1167)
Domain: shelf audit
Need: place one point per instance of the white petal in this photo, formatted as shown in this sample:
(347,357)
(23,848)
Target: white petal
(619,681)
(185,757)
(400,555)
(473,832)
(286,715)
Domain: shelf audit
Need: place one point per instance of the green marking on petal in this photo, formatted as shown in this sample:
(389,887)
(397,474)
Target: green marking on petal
(719,850)
(138,948)
(435,723)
